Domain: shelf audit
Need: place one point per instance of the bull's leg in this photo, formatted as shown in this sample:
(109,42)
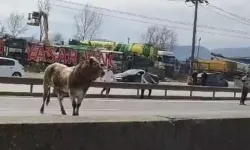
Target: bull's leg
(79,102)
(72,96)
(48,97)
(46,90)
(60,99)
(78,105)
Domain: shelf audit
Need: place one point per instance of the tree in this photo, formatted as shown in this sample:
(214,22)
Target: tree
(87,22)
(160,37)
(45,7)
(2,29)
(16,24)
(57,37)
(32,38)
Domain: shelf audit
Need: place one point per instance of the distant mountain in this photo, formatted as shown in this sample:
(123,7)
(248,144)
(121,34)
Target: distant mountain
(103,40)
(233,52)
(184,52)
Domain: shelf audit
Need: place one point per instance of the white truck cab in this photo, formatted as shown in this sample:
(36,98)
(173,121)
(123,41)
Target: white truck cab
(166,58)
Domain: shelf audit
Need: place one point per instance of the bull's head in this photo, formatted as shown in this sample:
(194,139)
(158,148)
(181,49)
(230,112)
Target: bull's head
(95,69)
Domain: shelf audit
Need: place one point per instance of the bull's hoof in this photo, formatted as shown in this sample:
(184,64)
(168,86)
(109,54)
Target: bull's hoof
(75,114)
(42,110)
(63,112)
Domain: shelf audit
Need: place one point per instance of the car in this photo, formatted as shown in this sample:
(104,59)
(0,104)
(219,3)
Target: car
(11,68)
(135,75)
(213,79)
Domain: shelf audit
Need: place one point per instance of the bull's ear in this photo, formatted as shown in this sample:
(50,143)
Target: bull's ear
(91,60)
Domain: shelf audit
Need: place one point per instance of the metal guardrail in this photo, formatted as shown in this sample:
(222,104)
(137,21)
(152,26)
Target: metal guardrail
(137,86)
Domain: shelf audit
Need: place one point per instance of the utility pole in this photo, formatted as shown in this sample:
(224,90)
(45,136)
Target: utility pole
(196,3)
(128,40)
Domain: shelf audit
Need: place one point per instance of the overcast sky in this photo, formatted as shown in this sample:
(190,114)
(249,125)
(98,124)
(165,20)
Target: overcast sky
(61,19)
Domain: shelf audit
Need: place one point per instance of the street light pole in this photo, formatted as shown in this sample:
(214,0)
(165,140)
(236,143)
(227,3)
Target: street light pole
(198,48)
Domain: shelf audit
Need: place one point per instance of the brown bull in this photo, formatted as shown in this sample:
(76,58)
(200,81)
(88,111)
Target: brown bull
(72,81)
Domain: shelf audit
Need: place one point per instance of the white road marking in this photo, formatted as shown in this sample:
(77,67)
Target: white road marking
(34,109)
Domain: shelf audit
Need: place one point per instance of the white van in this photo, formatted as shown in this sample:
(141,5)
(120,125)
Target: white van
(11,68)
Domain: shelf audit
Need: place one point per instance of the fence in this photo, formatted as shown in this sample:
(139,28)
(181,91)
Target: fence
(118,85)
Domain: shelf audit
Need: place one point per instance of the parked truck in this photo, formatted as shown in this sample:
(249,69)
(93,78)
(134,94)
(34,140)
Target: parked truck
(230,68)
(215,66)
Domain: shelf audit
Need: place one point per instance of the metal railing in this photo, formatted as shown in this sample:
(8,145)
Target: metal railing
(136,86)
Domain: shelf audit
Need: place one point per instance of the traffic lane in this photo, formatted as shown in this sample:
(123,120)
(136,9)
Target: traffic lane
(122,105)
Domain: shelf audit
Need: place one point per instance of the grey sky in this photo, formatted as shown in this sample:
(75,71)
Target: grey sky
(61,19)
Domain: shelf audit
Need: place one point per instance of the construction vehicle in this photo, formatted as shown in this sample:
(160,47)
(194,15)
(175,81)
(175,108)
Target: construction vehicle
(215,65)
(240,66)
(146,50)
(218,63)
(35,19)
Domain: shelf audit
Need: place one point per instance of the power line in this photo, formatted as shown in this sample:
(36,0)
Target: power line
(232,14)
(76,9)
(151,23)
(156,18)
(238,20)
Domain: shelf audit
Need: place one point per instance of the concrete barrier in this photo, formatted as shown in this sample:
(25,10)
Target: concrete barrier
(162,134)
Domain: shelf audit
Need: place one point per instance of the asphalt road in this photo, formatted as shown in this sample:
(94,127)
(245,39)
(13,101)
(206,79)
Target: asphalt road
(29,107)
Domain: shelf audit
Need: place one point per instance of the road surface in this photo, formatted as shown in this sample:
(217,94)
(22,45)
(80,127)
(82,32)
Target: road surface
(30,106)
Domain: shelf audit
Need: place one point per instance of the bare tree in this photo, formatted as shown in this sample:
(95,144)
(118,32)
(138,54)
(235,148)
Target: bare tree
(160,37)
(32,38)
(88,22)
(44,7)
(16,24)
(57,37)
(2,29)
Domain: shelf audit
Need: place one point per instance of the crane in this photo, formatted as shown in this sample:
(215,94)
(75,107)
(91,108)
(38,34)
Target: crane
(35,19)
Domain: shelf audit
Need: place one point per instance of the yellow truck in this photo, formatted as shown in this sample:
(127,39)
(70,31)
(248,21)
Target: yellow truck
(215,66)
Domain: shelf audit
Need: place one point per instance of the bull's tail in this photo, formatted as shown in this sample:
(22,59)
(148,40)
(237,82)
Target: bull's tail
(46,86)
(47,96)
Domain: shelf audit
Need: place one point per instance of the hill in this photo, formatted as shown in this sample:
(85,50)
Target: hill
(184,52)
(234,52)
